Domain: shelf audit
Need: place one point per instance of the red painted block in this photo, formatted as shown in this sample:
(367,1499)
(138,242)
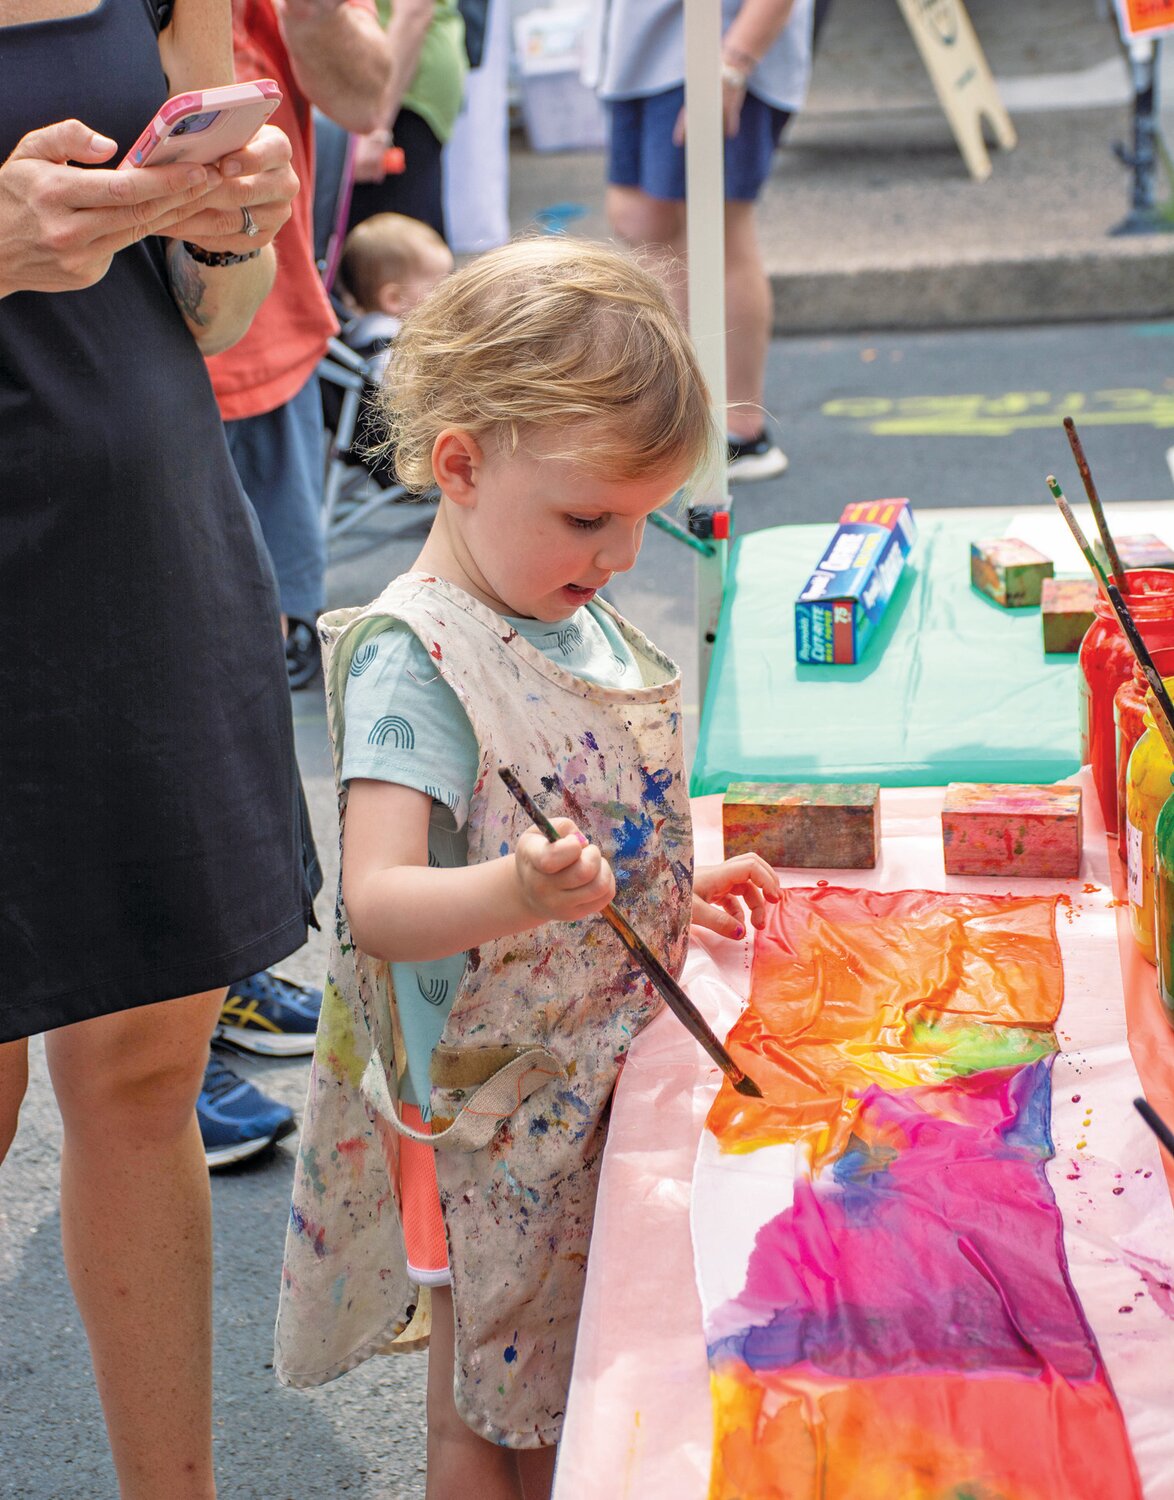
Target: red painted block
(803,825)
(1066,608)
(1009,571)
(989,829)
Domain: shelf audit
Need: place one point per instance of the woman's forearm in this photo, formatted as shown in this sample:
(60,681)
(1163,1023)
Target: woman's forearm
(754,30)
(218,302)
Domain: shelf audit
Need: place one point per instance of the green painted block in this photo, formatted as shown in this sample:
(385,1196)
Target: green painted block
(1066,609)
(1009,571)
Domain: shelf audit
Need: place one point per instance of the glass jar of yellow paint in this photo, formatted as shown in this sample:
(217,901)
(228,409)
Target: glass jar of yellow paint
(1147,788)
(1164,905)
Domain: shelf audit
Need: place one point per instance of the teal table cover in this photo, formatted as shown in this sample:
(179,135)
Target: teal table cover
(951,688)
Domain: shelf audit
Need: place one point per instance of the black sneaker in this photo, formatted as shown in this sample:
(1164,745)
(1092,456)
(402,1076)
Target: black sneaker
(303,654)
(236,1119)
(754,458)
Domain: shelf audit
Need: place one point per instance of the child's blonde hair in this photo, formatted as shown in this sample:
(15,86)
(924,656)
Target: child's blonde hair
(383,248)
(549,336)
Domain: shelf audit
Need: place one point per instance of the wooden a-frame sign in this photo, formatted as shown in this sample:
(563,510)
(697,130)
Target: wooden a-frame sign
(961,77)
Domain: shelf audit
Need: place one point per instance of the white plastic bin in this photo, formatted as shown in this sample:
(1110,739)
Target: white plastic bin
(559,111)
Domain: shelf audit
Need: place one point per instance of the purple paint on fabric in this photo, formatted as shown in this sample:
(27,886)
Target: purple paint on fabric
(934,1242)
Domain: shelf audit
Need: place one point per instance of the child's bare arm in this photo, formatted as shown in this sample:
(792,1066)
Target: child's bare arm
(405,910)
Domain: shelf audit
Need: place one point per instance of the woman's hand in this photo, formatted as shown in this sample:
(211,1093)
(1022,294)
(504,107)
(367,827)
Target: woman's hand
(720,890)
(370,153)
(258,177)
(60,225)
(733,98)
(564,881)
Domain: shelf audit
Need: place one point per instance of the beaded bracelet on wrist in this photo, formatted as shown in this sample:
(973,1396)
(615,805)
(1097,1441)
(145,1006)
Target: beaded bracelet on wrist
(217,257)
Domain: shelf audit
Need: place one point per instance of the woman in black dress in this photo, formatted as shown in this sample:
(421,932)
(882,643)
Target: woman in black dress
(150,848)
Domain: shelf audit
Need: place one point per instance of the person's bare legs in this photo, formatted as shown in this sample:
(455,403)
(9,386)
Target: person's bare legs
(460,1462)
(748,322)
(136,1225)
(14,1079)
(656,228)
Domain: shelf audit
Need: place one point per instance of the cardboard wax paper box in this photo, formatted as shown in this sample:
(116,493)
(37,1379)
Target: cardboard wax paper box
(841,604)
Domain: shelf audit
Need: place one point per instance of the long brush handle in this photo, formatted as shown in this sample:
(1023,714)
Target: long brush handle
(1161,722)
(674,996)
(1144,660)
(1074,527)
(1156,1124)
(1098,510)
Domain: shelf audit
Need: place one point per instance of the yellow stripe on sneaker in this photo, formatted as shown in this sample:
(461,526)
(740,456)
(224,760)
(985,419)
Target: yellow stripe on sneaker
(233,1013)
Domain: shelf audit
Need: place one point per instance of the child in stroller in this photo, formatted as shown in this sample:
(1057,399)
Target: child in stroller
(389,262)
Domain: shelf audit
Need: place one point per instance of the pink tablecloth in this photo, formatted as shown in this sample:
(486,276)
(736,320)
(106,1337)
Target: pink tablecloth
(638,1421)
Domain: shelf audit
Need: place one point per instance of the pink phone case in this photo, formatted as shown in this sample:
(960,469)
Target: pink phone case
(205,125)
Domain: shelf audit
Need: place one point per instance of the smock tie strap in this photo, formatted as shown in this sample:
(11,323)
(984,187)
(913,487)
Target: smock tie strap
(479,1117)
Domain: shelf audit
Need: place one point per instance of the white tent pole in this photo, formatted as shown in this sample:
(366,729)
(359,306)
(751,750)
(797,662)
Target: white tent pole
(704,225)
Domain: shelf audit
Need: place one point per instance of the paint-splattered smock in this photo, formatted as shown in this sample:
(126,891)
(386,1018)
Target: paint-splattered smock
(531,1049)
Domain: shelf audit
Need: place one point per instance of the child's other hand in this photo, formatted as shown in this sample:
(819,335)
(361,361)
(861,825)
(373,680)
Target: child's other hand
(564,881)
(719,890)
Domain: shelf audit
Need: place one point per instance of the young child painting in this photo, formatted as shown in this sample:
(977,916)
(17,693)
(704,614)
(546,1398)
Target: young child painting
(477,1012)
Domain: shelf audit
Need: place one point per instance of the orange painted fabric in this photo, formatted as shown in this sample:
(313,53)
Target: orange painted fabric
(907,1329)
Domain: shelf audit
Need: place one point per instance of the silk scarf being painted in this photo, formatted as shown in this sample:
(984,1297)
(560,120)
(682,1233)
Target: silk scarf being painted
(888,1309)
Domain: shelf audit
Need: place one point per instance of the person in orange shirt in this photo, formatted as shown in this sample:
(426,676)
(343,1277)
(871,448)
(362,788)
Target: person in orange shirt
(332,54)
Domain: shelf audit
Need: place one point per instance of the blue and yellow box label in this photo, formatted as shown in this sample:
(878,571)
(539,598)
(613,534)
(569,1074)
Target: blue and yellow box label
(842,603)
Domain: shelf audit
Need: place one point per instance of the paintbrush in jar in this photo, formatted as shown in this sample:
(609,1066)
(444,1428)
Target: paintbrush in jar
(674,996)
(1157,697)
(1098,510)
(1074,527)
(1156,1124)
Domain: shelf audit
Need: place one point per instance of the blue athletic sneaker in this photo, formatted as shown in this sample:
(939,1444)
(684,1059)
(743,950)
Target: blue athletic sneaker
(236,1119)
(270,1015)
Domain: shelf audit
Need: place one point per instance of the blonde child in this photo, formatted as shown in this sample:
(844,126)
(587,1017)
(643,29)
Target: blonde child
(476,1015)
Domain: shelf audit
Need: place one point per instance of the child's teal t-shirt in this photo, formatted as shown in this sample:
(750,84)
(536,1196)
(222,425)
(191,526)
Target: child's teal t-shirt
(405,724)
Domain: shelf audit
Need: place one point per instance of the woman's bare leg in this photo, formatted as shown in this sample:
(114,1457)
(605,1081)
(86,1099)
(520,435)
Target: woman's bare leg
(14,1079)
(460,1463)
(656,228)
(136,1225)
(749,314)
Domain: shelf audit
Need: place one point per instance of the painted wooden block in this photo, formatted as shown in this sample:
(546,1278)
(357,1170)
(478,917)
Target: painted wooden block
(989,829)
(1066,608)
(804,825)
(1145,550)
(1009,571)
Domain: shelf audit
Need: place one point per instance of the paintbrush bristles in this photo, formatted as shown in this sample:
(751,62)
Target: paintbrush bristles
(1098,510)
(1074,527)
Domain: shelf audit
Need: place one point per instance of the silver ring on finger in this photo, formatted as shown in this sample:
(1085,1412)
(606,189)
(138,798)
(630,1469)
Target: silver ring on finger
(249,227)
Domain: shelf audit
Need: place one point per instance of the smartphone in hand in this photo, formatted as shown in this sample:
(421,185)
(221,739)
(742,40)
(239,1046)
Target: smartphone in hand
(204,125)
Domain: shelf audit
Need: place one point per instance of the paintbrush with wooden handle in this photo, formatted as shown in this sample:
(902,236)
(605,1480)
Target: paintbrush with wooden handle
(674,996)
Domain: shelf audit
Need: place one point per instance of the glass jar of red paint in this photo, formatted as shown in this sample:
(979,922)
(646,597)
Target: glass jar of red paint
(1129,722)
(1106,661)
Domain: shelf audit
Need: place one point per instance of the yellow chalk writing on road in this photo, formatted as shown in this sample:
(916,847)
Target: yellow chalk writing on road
(1000,416)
